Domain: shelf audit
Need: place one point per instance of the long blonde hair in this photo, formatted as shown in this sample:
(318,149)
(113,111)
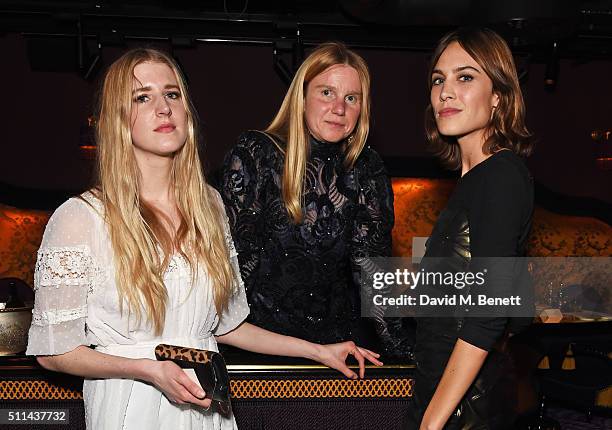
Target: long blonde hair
(142,246)
(290,124)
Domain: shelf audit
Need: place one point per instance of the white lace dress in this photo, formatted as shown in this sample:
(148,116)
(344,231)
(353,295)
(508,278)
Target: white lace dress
(77,304)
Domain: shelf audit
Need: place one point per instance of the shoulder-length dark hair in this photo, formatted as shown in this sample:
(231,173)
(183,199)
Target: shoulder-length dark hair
(507,126)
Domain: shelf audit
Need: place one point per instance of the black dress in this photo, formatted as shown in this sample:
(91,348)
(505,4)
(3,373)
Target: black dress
(302,279)
(488,215)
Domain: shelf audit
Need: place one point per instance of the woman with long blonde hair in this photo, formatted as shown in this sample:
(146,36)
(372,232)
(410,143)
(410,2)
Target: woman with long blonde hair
(146,258)
(309,201)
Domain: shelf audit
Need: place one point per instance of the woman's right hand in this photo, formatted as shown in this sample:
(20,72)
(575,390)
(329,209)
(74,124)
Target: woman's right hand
(176,385)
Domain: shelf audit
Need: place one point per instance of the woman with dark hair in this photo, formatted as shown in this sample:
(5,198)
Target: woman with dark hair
(308,201)
(475,124)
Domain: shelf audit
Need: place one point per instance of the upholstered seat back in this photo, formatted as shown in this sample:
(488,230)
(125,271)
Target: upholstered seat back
(21,231)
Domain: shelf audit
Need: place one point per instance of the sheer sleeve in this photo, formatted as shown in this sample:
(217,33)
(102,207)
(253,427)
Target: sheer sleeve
(497,216)
(372,238)
(241,189)
(237,308)
(374,218)
(62,280)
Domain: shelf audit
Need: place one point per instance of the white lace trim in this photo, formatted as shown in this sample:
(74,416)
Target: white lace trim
(95,202)
(176,261)
(228,238)
(63,266)
(238,282)
(45,318)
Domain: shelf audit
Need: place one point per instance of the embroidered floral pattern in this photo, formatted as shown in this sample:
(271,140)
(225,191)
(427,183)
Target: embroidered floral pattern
(301,278)
(52,317)
(63,266)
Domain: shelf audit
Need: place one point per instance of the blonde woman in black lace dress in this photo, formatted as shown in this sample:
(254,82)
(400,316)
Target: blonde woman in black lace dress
(308,199)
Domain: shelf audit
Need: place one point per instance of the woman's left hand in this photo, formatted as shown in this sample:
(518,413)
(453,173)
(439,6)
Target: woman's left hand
(334,355)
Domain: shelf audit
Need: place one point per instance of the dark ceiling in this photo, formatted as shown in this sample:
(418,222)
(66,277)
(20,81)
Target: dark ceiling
(579,29)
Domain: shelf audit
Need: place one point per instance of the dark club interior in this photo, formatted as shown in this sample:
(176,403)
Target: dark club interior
(239,58)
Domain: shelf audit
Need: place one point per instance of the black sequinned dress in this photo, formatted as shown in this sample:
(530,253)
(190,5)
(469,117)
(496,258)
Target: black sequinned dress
(302,279)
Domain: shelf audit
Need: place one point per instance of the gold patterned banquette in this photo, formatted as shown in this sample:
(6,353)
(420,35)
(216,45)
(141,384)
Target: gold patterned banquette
(418,202)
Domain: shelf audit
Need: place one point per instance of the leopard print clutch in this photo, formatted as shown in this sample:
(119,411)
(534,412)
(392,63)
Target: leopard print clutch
(173,352)
(210,369)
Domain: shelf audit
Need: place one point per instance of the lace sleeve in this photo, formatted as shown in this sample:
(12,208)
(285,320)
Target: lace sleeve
(374,218)
(372,238)
(237,308)
(241,188)
(62,280)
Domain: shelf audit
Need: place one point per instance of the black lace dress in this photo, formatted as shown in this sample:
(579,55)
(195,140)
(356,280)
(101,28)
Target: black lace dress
(302,279)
